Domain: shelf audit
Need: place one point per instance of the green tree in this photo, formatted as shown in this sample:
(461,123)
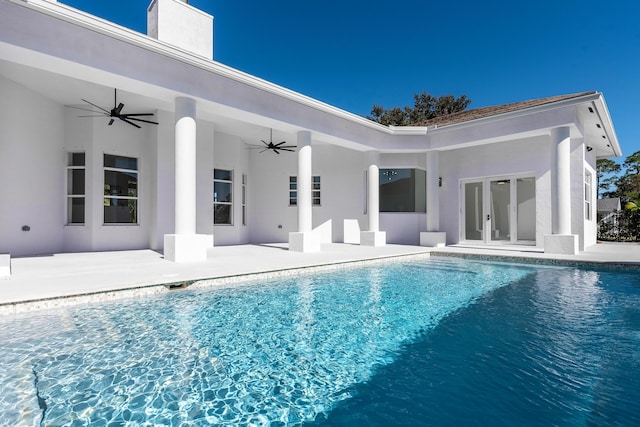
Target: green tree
(425,107)
(606,167)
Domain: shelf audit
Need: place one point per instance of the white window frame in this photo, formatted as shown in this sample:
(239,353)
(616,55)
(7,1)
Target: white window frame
(216,202)
(70,196)
(244,199)
(136,198)
(588,198)
(316,191)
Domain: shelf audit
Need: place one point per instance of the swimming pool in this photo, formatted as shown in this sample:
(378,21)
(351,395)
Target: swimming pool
(420,342)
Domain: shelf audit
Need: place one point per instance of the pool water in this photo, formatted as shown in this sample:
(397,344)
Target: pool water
(420,342)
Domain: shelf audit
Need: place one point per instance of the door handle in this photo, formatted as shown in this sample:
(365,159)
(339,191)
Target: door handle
(488,217)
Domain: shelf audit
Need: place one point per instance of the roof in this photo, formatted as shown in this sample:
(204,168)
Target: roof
(609,205)
(482,112)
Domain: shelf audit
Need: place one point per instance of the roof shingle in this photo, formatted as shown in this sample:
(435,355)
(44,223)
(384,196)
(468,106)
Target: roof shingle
(482,112)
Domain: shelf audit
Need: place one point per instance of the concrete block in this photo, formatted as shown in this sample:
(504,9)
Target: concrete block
(433,239)
(5,265)
(373,238)
(351,231)
(561,244)
(187,247)
(304,242)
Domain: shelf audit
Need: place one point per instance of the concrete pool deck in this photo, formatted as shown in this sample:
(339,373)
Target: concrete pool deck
(57,279)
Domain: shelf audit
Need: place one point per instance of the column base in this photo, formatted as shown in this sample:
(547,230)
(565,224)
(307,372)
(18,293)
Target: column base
(304,242)
(561,244)
(5,265)
(434,239)
(373,238)
(187,247)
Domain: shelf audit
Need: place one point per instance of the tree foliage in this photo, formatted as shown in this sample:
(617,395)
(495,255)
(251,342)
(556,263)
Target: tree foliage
(623,182)
(425,107)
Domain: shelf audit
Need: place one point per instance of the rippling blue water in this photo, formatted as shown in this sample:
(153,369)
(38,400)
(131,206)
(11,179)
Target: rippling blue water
(423,342)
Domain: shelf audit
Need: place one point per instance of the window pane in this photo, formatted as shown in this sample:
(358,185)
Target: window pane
(222,174)
(120,211)
(222,192)
(120,183)
(76,159)
(402,190)
(120,162)
(222,214)
(75,182)
(75,210)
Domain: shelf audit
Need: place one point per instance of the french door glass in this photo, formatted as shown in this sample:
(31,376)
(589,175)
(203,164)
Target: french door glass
(500,211)
(473,201)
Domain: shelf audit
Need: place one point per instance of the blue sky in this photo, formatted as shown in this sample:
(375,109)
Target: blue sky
(356,53)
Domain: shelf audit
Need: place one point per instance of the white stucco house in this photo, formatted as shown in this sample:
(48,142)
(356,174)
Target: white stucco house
(201,175)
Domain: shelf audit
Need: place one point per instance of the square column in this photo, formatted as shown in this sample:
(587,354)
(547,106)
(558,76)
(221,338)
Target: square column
(561,241)
(433,237)
(185,245)
(304,240)
(373,237)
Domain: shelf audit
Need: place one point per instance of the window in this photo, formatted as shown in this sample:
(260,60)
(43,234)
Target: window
(587,195)
(315,191)
(120,190)
(75,188)
(222,196)
(244,199)
(403,190)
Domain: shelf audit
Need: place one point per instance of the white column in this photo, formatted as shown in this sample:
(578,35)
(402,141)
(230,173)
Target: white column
(561,162)
(185,245)
(373,190)
(373,236)
(185,146)
(433,236)
(561,241)
(433,196)
(304,240)
(305,218)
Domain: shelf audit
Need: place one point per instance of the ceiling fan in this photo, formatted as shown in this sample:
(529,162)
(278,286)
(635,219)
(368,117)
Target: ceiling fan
(116,112)
(276,148)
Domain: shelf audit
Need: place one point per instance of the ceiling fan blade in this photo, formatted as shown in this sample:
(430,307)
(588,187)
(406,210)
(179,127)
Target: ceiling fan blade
(85,109)
(137,114)
(264,142)
(94,115)
(276,151)
(111,122)
(119,109)
(287,149)
(280,143)
(126,117)
(97,106)
(130,122)
(266,149)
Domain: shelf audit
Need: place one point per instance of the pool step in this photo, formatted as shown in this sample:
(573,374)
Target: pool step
(5,265)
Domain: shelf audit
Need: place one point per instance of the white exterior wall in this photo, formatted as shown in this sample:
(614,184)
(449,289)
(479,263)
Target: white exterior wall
(527,157)
(230,153)
(591,226)
(341,173)
(403,227)
(31,171)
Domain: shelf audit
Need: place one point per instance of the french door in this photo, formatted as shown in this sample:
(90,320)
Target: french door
(499,211)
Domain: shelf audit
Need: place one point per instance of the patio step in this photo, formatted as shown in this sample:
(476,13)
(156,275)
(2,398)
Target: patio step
(5,265)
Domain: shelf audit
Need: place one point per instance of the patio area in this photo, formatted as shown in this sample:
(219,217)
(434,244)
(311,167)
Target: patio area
(71,278)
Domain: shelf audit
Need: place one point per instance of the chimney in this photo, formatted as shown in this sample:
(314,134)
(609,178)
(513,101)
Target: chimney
(183,26)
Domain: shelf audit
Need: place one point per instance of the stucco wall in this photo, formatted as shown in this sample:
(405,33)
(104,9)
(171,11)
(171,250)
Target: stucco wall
(31,171)
(342,191)
(525,157)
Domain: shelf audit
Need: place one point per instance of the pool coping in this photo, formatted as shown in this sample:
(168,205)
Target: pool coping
(137,290)
(132,291)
